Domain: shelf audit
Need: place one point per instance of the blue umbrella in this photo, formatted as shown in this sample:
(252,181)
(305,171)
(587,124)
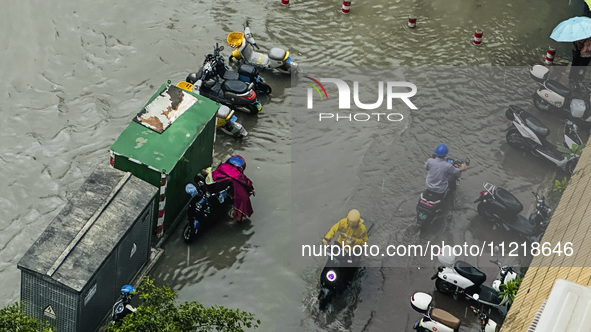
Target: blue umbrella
(573,29)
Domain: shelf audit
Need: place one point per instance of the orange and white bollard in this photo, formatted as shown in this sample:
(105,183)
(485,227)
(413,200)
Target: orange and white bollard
(550,55)
(477,37)
(412,21)
(285,2)
(346,7)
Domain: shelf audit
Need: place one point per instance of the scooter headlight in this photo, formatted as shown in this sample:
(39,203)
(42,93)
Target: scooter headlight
(331,275)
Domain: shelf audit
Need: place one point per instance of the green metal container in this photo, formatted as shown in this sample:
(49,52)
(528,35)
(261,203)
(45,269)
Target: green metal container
(166,144)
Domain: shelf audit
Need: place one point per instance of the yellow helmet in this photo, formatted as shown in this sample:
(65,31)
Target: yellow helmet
(354,216)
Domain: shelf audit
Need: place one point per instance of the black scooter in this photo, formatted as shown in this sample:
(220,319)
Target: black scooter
(430,204)
(246,73)
(501,207)
(205,208)
(338,273)
(233,93)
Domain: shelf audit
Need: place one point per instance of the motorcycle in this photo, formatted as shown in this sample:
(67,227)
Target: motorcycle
(235,94)
(205,208)
(528,133)
(226,121)
(338,273)
(501,207)
(430,203)
(246,73)
(459,277)
(244,51)
(435,319)
(554,96)
(123,306)
(216,194)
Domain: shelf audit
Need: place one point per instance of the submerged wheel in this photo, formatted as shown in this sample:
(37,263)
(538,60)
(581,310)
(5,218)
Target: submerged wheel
(444,286)
(264,88)
(514,138)
(570,167)
(323,298)
(188,235)
(540,103)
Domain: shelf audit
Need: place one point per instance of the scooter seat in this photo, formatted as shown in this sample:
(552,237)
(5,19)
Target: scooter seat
(468,271)
(445,318)
(509,201)
(277,54)
(534,124)
(234,86)
(231,75)
(489,295)
(558,88)
(431,196)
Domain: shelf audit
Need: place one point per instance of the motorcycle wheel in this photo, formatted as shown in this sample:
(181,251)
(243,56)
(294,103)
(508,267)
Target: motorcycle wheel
(188,235)
(541,104)
(444,286)
(323,298)
(264,89)
(570,167)
(514,139)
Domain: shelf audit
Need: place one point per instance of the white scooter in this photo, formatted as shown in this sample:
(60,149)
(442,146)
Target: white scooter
(528,133)
(459,277)
(554,96)
(244,44)
(435,319)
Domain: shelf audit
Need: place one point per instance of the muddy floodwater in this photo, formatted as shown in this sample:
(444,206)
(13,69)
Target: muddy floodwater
(75,73)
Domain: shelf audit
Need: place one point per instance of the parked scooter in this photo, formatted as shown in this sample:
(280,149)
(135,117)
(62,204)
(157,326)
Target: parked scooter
(528,133)
(246,73)
(226,121)
(435,319)
(244,44)
(431,204)
(235,94)
(554,96)
(501,207)
(459,277)
(338,273)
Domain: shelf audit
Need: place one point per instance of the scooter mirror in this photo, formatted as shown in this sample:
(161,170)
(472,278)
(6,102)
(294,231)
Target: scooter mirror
(221,48)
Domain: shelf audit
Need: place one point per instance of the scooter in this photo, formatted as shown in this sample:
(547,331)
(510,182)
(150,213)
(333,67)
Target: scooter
(226,121)
(123,306)
(232,93)
(246,73)
(459,277)
(216,194)
(528,133)
(205,208)
(554,96)
(435,319)
(244,44)
(430,204)
(501,207)
(338,273)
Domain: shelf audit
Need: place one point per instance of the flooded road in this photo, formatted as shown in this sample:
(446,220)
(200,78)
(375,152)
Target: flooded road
(74,79)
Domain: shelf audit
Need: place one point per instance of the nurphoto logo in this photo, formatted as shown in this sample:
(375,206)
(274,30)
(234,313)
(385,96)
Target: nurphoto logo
(393,91)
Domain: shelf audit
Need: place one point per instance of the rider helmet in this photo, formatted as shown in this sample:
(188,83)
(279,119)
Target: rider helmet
(354,216)
(441,150)
(191,189)
(237,161)
(127,290)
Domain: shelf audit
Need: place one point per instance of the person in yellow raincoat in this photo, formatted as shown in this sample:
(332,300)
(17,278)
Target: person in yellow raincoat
(351,230)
